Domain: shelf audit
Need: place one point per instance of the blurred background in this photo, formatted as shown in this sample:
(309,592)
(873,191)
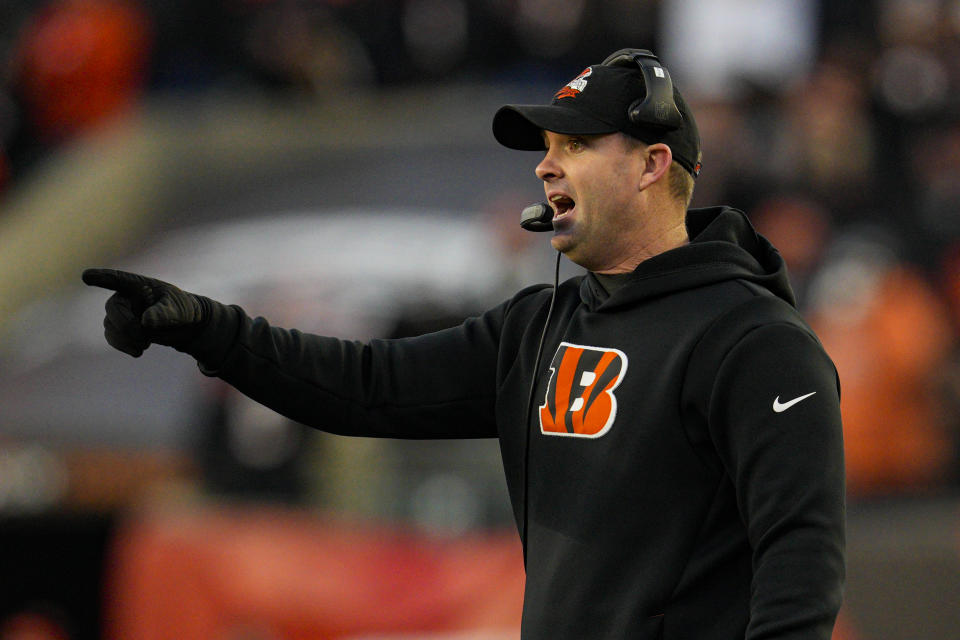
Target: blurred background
(329,164)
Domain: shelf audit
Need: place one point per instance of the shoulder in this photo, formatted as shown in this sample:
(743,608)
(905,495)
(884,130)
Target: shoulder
(757,350)
(759,319)
(752,307)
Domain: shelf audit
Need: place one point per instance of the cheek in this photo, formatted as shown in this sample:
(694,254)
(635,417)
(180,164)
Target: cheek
(612,193)
(602,188)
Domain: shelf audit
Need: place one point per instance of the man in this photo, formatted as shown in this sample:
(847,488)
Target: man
(674,461)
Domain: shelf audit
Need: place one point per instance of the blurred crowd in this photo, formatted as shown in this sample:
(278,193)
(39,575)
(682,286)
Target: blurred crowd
(843,148)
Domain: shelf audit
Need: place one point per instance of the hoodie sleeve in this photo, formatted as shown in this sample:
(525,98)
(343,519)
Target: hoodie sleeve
(440,385)
(774,417)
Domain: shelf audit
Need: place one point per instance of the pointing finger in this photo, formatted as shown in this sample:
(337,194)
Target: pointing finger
(123,282)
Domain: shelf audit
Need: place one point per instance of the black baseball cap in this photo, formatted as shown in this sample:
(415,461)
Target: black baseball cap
(599,100)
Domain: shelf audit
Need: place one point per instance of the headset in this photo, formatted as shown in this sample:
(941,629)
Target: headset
(657,108)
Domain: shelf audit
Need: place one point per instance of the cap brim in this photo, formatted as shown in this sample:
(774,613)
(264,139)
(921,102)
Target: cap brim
(521,126)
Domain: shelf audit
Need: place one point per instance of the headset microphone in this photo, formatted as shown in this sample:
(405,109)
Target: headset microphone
(537,217)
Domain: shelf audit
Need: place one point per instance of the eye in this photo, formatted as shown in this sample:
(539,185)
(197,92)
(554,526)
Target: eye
(576,145)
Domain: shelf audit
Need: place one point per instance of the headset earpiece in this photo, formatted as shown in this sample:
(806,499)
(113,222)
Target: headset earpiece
(658,108)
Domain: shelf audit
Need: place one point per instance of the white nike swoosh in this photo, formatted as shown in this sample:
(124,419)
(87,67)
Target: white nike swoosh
(783,406)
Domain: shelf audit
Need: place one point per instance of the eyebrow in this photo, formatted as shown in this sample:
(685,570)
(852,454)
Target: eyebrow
(546,139)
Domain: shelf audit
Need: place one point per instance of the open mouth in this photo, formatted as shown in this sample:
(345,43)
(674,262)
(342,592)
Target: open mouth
(562,205)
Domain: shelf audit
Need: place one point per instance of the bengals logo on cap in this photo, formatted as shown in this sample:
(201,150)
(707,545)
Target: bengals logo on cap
(575,86)
(580,400)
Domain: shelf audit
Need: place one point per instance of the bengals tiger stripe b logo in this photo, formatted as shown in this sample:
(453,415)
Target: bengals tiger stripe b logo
(580,400)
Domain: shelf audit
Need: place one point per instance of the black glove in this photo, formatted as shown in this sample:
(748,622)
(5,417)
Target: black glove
(145,310)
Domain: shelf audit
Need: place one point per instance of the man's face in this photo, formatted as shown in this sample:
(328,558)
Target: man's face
(591,184)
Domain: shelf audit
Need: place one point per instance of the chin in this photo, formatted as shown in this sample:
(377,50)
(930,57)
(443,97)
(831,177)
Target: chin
(570,251)
(562,242)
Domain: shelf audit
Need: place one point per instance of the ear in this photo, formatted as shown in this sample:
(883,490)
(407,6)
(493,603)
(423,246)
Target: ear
(657,160)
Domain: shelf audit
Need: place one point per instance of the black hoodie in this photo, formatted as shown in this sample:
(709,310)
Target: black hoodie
(680,472)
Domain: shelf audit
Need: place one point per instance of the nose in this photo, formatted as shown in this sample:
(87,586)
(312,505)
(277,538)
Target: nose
(548,169)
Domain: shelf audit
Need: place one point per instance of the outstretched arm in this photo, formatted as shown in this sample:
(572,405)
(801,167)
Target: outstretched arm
(441,385)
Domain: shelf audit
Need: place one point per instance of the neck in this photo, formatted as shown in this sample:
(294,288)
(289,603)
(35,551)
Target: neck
(653,241)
